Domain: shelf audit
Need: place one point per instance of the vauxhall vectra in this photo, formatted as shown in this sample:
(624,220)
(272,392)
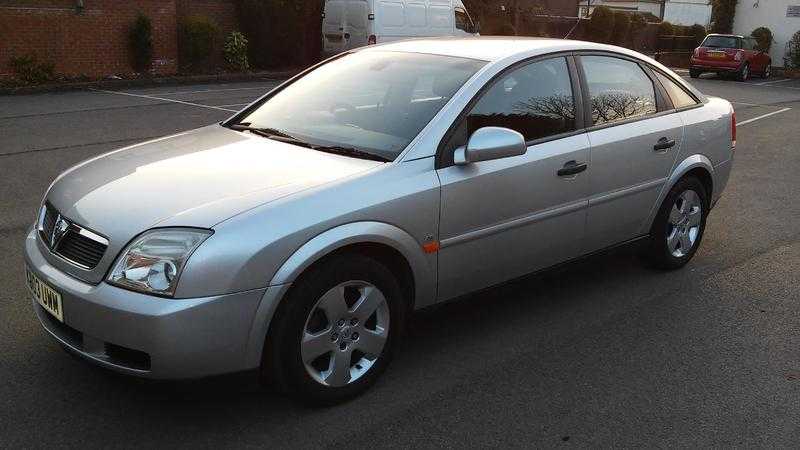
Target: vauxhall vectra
(297,236)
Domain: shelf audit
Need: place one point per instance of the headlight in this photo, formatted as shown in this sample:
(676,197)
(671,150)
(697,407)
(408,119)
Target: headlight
(153,262)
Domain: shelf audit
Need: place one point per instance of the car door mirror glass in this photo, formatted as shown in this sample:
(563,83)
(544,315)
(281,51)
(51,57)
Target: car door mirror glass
(490,143)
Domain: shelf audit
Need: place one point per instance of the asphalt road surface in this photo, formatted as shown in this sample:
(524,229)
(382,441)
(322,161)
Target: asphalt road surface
(603,352)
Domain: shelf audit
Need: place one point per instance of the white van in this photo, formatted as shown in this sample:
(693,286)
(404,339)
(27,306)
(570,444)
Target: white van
(350,24)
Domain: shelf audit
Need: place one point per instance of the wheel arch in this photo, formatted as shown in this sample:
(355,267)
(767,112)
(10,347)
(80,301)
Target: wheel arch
(391,245)
(696,165)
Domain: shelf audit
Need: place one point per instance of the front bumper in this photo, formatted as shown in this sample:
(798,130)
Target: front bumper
(146,336)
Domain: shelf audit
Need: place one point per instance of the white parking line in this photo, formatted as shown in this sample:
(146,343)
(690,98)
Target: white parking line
(219,108)
(745,122)
(745,104)
(202,91)
(235,104)
(772,82)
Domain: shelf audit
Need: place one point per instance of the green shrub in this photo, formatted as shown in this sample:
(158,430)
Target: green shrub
(763,36)
(282,32)
(601,25)
(698,32)
(666,29)
(235,52)
(722,13)
(794,51)
(140,42)
(638,23)
(196,41)
(28,69)
(622,28)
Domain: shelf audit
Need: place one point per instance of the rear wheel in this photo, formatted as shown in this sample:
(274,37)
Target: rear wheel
(694,73)
(744,73)
(337,331)
(679,225)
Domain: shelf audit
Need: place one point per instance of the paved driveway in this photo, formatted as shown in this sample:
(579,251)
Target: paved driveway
(599,353)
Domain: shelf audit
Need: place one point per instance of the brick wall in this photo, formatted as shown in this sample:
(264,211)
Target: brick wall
(94,41)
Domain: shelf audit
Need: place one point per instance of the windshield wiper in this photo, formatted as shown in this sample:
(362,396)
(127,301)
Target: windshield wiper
(282,136)
(266,132)
(350,151)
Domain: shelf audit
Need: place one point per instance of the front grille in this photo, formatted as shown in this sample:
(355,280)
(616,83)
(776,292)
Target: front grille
(70,241)
(82,250)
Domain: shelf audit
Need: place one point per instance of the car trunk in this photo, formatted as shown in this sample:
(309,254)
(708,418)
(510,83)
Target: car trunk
(713,54)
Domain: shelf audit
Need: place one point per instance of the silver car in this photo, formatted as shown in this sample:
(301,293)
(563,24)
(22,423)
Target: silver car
(297,236)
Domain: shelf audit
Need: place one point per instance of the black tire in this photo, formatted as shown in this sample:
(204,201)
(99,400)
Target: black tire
(767,71)
(658,253)
(282,366)
(694,73)
(744,73)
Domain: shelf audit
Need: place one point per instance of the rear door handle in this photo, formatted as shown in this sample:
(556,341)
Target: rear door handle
(664,144)
(572,168)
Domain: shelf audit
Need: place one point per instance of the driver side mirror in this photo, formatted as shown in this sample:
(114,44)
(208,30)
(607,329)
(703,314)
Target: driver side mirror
(490,143)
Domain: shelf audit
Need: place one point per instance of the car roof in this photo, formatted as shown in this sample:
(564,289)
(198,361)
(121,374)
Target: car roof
(511,49)
(492,48)
(727,35)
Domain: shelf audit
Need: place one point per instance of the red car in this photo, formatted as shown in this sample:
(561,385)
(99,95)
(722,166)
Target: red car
(727,53)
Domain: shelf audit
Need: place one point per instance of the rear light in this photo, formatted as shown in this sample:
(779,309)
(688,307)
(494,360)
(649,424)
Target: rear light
(372,40)
(733,130)
(696,53)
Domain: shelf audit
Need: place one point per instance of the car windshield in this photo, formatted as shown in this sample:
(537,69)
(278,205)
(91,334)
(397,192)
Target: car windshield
(721,42)
(368,103)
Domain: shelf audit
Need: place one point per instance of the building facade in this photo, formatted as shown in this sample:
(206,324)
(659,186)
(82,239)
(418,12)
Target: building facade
(780,16)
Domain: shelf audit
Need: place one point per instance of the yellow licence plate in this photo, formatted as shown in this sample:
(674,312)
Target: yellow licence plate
(717,55)
(45,295)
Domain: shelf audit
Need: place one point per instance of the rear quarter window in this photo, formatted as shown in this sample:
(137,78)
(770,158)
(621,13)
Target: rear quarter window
(680,98)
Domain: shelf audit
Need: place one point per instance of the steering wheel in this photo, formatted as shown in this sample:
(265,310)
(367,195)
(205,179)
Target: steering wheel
(337,105)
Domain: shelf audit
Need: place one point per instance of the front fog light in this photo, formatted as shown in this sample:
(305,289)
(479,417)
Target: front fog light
(153,262)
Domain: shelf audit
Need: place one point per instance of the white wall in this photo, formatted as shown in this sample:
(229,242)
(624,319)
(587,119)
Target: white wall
(771,14)
(688,12)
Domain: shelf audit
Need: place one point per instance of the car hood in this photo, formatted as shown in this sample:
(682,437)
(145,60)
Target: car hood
(194,179)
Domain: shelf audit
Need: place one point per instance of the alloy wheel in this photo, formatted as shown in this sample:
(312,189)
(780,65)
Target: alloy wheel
(685,220)
(345,333)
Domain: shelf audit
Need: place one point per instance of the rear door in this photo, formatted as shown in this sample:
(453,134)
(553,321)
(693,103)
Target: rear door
(633,147)
(333,27)
(356,29)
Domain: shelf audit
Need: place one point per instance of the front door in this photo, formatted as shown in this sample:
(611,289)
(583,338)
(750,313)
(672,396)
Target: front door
(504,218)
(633,149)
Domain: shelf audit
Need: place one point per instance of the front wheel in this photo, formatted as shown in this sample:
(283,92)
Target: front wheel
(679,225)
(336,332)
(694,73)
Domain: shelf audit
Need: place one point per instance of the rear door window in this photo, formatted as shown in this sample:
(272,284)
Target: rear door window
(619,89)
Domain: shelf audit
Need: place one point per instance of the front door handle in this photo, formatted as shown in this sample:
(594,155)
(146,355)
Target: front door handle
(664,144)
(572,168)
